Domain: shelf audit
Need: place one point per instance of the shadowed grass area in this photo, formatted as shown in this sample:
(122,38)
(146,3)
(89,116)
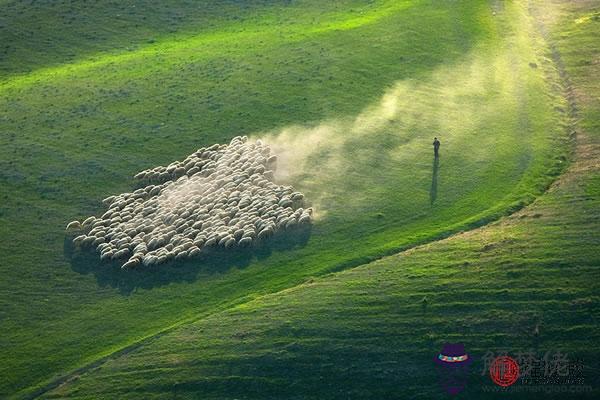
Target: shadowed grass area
(38,35)
(385,76)
(527,283)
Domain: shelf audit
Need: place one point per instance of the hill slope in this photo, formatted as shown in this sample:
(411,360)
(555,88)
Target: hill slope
(370,82)
(530,281)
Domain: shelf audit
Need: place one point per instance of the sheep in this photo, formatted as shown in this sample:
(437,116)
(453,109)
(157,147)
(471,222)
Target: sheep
(193,251)
(304,219)
(88,240)
(179,171)
(87,222)
(153,243)
(265,233)
(283,222)
(147,260)
(162,259)
(238,234)
(141,248)
(98,241)
(245,241)
(221,195)
(73,226)
(101,247)
(199,241)
(123,242)
(107,201)
(297,196)
(210,242)
(121,253)
(224,240)
(197,225)
(249,232)
(132,263)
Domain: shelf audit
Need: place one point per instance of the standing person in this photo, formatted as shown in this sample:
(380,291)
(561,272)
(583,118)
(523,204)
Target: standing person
(436,147)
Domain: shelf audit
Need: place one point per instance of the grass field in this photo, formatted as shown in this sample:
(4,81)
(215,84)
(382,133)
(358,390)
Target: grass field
(355,92)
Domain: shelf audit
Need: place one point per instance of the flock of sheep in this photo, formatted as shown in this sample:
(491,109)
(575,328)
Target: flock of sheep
(220,196)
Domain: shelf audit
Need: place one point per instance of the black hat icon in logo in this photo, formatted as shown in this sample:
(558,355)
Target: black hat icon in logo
(453,367)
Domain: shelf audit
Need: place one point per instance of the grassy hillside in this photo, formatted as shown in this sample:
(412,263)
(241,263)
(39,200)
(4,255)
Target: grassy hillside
(93,98)
(43,35)
(530,281)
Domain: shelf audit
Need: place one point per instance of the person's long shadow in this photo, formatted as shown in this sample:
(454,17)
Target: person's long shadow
(434,180)
(214,261)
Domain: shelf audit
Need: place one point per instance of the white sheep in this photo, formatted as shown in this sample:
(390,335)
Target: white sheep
(221,195)
(132,263)
(73,226)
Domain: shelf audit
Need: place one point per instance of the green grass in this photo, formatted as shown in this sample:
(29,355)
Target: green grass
(122,93)
(368,333)
(51,35)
